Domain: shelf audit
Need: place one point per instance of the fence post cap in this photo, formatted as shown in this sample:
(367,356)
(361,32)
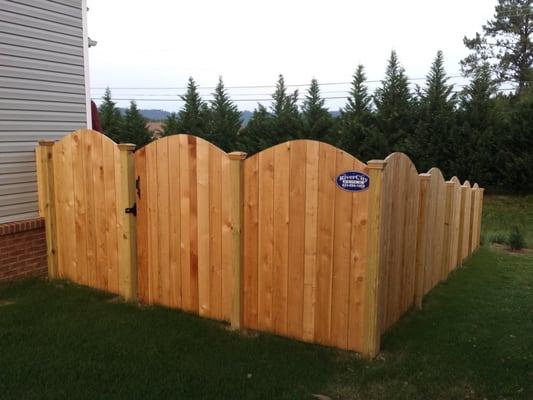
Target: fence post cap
(126,146)
(377,164)
(46,142)
(237,155)
(424,176)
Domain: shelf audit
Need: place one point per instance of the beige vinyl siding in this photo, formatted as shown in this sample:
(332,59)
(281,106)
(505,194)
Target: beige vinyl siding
(42,91)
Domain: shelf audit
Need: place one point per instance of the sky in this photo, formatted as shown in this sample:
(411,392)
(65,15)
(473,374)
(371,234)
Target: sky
(147,50)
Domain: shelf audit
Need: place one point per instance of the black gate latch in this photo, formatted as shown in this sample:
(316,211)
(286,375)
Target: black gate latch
(132,209)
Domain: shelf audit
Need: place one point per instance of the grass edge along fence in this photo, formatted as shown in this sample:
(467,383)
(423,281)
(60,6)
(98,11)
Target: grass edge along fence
(274,242)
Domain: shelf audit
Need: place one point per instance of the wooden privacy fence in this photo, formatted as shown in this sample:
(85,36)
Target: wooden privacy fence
(301,239)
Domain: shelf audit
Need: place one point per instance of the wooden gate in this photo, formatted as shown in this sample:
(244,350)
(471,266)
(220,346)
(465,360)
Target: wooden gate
(83,191)
(306,244)
(184,225)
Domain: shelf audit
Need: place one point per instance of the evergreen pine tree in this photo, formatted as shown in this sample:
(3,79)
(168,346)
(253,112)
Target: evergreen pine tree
(357,132)
(135,130)
(394,106)
(224,119)
(193,117)
(505,44)
(286,122)
(317,122)
(257,135)
(170,125)
(483,131)
(432,144)
(110,117)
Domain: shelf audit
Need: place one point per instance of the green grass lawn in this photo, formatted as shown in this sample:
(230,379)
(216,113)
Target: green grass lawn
(472,340)
(502,213)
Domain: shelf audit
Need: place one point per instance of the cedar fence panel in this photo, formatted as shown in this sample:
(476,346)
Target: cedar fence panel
(466,201)
(305,244)
(398,238)
(82,198)
(185,226)
(474,219)
(270,243)
(455,222)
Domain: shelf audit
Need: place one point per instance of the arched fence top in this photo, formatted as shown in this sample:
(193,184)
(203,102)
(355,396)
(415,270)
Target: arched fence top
(476,186)
(75,136)
(188,138)
(397,158)
(437,173)
(467,184)
(323,145)
(455,180)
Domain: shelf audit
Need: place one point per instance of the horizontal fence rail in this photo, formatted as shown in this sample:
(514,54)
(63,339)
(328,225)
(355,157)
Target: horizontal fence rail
(301,239)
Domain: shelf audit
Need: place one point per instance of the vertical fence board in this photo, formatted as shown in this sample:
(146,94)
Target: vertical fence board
(252,178)
(296,242)
(340,284)
(163,225)
(202,215)
(226,238)
(174,199)
(325,227)
(185,221)
(215,233)
(80,206)
(281,237)
(358,262)
(266,240)
(142,225)
(310,251)
(467,221)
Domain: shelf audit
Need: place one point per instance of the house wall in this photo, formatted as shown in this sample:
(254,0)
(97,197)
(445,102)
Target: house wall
(42,91)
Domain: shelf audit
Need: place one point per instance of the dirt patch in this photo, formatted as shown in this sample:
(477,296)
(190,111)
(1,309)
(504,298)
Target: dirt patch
(115,300)
(4,303)
(508,250)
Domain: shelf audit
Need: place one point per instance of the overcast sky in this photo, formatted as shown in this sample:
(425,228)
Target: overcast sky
(160,43)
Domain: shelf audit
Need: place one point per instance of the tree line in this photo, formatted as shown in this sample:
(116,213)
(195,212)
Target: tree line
(478,133)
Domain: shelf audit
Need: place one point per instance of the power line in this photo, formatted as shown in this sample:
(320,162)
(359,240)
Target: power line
(251,86)
(254,100)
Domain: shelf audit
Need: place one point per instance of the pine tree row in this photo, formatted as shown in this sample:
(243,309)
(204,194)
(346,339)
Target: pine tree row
(475,133)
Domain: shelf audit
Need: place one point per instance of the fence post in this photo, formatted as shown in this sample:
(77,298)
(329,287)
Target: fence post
(372,297)
(127,238)
(421,236)
(45,177)
(480,215)
(448,216)
(236,178)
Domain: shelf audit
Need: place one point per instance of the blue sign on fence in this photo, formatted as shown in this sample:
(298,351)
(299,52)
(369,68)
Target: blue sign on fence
(353,181)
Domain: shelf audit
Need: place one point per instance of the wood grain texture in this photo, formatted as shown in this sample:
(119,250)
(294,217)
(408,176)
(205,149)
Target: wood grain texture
(186,222)
(88,197)
(400,208)
(305,244)
(467,222)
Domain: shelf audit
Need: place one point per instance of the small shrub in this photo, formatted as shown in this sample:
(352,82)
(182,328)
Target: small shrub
(516,240)
(498,237)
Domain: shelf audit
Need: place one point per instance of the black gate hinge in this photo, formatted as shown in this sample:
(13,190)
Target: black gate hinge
(132,209)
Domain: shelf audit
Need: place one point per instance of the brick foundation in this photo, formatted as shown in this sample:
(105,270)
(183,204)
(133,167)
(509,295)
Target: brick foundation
(22,249)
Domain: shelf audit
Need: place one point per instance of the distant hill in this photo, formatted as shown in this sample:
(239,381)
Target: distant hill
(160,115)
(150,114)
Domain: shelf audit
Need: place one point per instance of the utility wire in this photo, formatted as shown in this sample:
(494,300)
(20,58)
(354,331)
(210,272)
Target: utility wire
(252,86)
(256,99)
